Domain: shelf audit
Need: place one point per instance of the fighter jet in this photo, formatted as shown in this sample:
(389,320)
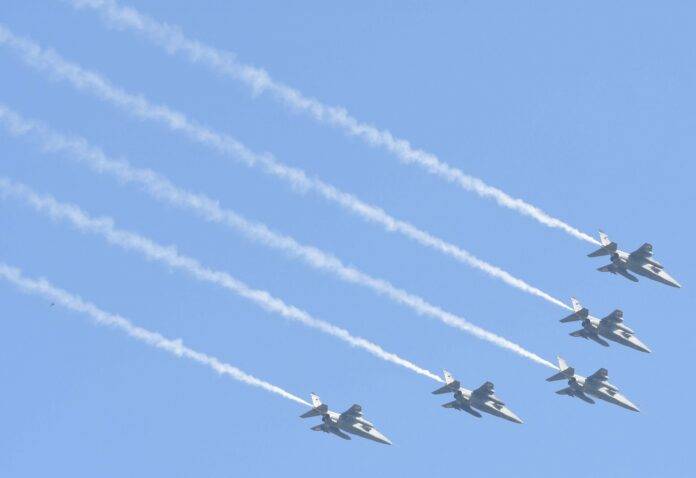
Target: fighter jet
(596,385)
(350,421)
(610,327)
(639,261)
(482,399)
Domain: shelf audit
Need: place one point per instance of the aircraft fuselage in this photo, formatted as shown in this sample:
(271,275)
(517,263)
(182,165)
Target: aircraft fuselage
(355,426)
(490,405)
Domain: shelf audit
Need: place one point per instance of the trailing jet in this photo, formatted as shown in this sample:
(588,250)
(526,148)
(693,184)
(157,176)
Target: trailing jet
(611,327)
(596,385)
(350,421)
(469,401)
(640,262)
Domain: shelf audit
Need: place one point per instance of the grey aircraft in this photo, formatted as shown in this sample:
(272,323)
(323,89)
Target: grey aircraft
(350,421)
(596,385)
(611,327)
(482,399)
(640,262)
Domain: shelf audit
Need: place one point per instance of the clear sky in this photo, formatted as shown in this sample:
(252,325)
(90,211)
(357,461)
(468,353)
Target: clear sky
(585,110)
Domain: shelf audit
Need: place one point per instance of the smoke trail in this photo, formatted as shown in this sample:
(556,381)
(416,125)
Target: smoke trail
(45,289)
(209,209)
(137,105)
(169,256)
(175,42)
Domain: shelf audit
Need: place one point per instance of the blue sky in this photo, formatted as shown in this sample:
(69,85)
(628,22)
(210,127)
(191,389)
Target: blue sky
(583,110)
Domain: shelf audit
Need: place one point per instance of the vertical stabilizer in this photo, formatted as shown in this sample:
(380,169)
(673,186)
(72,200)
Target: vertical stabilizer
(608,247)
(564,371)
(319,408)
(451,385)
(579,312)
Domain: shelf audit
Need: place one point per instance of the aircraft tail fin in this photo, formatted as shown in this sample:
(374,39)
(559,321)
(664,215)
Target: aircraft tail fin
(579,312)
(451,385)
(565,371)
(319,408)
(608,246)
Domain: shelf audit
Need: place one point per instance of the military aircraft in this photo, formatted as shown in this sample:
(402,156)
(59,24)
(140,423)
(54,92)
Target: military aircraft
(482,399)
(639,262)
(610,327)
(350,421)
(596,385)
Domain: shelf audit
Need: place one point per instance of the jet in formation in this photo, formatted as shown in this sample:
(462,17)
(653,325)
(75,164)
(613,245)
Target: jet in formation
(611,327)
(341,424)
(596,385)
(482,399)
(640,262)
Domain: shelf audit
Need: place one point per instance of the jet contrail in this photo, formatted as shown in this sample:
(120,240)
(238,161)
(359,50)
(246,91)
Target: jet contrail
(173,41)
(82,79)
(168,255)
(45,289)
(162,189)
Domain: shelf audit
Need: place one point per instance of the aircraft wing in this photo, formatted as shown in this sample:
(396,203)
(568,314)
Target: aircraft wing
(618,270)
(628,276)
(615,317)
(566,391)
(581,395)
(601,375)
(599,340)
(594,337)
(353,412)
(643,252)
(334,430)
(485,390)
(458,406)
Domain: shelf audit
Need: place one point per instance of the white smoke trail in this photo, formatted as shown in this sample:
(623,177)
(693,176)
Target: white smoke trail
(45,289)
(175,42)
(169,256)
(139,106)
(161,188)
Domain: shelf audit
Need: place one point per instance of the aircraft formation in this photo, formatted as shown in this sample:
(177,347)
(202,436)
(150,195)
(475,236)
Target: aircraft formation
(350,423)
(483,399)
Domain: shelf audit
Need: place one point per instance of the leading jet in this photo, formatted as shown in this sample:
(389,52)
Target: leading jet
(350,421)
(640,262)
(611,327)
(596,385)
(483,398)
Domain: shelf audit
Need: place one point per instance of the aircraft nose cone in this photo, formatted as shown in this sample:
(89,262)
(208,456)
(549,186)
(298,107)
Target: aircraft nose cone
(378,437)
(669,280)
(636,344)
(514,418)
(630,406)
